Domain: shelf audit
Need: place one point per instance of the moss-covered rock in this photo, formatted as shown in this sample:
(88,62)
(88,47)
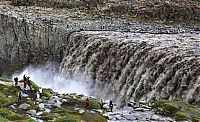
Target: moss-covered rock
(180,110)
(181,116)
(47,92)
(69,118)
(12,116)
(169,108)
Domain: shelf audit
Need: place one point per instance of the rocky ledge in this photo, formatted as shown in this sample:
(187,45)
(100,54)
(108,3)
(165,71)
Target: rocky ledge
(52,106)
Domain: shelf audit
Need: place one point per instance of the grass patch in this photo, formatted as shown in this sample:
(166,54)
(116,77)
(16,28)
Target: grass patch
(89,117)
(95,104)
(196,119)
(47,92)
(3,119)
(35,86)
(4,100)
(170,108)
(181,116)
(5,79)
(69,118)
(180,110)
(48,116)
(6,113)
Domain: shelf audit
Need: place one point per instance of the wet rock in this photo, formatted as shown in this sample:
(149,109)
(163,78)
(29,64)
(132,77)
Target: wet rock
(39,113)
(39,100)
(41,106)
(32,112)
(81,111)
(155,117)
(12,107)
(141,109)
(24,106)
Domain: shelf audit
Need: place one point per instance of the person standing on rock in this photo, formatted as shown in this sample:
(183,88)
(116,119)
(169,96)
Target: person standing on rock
(29,82)
(111,106)
(20,96)
(87,103)
(16,81)
(101,104)
(24,81)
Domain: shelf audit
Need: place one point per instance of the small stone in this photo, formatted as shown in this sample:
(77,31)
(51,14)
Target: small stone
(143,102)
(12,106)
(41,106)
(24,106)
(155,117)
(141,109)
(119,117)
(39,100)
(39,113)
(81,111)
(76,109)
(32,112)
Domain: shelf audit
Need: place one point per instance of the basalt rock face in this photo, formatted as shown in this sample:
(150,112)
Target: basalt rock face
(135,66)
(24,43)
(166,10)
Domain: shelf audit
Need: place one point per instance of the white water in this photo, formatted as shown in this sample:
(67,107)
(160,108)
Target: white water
(47,76)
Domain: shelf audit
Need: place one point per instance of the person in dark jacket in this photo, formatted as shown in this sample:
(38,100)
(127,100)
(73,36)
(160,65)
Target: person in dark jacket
(87,103)
(111,106)
(24,81)
(16,81)
(28,82)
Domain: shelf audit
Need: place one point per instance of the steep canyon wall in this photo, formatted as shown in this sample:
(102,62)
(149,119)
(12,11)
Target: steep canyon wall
(24,43)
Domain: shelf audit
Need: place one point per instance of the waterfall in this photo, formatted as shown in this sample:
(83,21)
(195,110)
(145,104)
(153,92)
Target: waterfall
(135,66)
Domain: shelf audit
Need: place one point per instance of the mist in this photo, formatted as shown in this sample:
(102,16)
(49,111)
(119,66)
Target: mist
(47,76)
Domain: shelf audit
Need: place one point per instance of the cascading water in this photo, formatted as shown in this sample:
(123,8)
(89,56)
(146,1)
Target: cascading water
(47,76)
(135,66)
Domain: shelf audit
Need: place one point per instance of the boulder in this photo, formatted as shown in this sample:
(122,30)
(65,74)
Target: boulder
(155,117)
(41,106)
(81,111)
(24,106)
(32,112)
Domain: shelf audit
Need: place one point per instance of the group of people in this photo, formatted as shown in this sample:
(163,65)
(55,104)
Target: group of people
(87,104)
(26,81)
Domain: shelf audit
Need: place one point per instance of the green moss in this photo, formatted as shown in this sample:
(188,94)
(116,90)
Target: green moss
(47,92)
(10,90)
(93,117)
(156,104)
(169,108)
(4,100)
(180,116)
(95,104)
(3,119)
(48,116)
(5,113)
(35,86)
(5,79)
(68,118)
(196,119)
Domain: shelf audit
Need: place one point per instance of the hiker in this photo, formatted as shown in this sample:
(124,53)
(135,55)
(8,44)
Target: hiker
(40,92)
(28,82)
(111,105)
(87,103)
(101,104)
(20,96)
(24,81)
(24,91)
(16,81)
